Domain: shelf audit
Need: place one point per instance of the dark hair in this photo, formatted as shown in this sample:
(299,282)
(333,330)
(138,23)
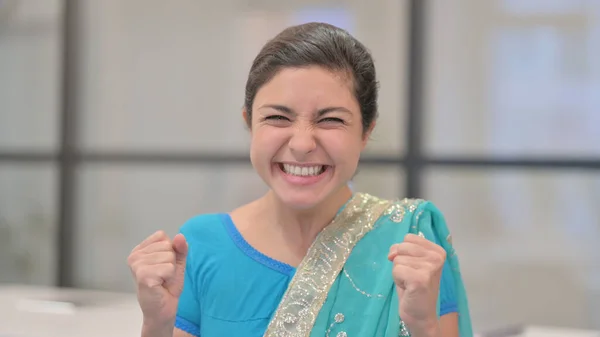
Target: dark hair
(318,44)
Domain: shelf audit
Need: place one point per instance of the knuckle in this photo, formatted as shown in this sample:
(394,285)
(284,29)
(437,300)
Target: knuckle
(440,258)
(140,276)
(145,277)
(161,234)
(158,246)
(397,273)
(172,257)
(410,237)
(130,260)
(150,282)
(167,271)
(164,246)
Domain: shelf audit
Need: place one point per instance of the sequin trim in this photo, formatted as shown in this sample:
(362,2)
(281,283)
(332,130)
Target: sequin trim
(403,330)
(300,305)
(360,290)
(338,319)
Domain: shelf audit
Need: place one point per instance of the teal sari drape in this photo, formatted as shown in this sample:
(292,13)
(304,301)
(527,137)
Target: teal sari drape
(344,285)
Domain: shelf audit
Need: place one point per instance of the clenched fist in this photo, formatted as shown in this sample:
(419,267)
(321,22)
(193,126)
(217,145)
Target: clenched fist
(158,266)
(417,272)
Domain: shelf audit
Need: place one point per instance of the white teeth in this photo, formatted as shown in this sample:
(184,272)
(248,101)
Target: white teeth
(303,171)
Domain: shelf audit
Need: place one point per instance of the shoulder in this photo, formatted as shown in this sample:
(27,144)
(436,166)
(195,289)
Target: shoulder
(209,242)
(401,209)
(422,217)
(417,215)
(204,227)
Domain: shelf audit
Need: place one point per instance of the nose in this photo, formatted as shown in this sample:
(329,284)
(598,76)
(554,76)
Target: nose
(302,141)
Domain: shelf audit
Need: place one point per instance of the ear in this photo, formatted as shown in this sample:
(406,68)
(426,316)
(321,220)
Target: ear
(246,118)
(367,135)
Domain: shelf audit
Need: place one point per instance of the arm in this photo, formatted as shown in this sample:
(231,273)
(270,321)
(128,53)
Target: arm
(449,325)
(446,327)
(180,327)
(149,332)
(424,273)
(448,302)
(186,319)
(187,307)
(181,333)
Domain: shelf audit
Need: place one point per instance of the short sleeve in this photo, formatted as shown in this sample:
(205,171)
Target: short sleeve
(448,302)
(188,311)
(429,221)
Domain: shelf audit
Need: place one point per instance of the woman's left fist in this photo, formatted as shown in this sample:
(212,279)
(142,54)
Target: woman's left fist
(417,271)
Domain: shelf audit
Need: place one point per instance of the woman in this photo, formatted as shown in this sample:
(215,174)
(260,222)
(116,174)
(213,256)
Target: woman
(309,258)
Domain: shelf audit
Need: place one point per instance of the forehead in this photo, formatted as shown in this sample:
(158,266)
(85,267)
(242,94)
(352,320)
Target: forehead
(308,89)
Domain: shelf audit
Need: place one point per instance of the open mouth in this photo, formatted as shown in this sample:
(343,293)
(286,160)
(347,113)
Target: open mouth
(303,171)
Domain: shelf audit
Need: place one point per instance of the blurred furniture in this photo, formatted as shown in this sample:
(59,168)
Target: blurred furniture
(539,331)
(49,312)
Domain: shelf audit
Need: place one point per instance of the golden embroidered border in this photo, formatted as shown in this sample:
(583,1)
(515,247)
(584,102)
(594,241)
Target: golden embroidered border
(300,305)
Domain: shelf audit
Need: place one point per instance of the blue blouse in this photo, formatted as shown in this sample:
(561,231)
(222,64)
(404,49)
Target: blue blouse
(232,289)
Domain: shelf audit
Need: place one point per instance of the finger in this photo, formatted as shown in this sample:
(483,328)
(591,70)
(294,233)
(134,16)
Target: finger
(154,275)
(430,258)
(421,241)
(401,275)
(432,247)
(155,258)
(143,261)
(166,271)
(180,247)
(407,248)
(160,246)
(411,261)
(157,236)
(409,278)
(392,252)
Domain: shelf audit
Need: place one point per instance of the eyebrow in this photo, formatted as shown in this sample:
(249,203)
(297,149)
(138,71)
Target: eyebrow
(286,110)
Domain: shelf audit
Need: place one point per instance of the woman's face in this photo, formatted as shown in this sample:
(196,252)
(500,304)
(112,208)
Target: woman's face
(307,134)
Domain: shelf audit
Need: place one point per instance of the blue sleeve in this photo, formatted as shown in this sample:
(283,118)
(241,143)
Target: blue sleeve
(448,303)
(188,311)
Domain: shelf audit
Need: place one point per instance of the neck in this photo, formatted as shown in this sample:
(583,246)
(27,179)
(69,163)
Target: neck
(301,227)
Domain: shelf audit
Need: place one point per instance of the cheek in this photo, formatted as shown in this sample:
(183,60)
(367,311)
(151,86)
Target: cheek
(265,142)
(343,147)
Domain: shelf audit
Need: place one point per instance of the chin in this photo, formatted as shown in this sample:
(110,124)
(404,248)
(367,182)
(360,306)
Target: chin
(307,199)
(298,201)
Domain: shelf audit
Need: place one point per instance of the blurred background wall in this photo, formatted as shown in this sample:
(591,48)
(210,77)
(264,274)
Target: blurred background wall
(118,118)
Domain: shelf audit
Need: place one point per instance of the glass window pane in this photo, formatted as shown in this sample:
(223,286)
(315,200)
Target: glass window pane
(28,224)
(30,64)
(173,77)
(528,243)
(524,81)
(121,205)
(381,181)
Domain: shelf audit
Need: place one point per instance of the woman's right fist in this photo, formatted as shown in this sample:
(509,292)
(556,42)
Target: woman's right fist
(158,267)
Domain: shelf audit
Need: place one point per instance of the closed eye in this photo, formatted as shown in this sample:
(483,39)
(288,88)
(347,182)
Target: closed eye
(332,120)
(277,118)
